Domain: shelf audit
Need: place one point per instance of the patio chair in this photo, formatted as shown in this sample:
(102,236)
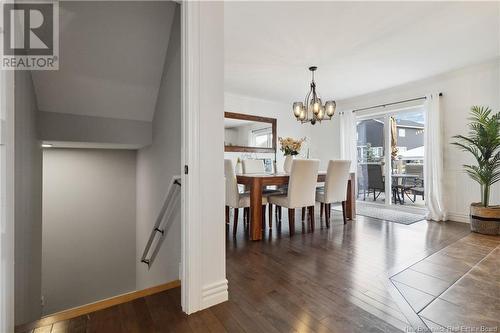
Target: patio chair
(375,180)
(414,185)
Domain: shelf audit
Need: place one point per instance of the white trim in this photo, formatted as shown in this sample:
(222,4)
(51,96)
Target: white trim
(191,237)
(387,160)
(458,217)
(214,293)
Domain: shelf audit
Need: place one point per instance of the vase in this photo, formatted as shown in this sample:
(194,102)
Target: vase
(287,166)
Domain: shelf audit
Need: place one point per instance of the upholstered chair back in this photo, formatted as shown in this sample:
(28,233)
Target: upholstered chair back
(302,184)
(253,166)
(337,176)
(232,194)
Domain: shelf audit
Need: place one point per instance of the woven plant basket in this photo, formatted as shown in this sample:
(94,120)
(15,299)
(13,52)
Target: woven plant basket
(485,220)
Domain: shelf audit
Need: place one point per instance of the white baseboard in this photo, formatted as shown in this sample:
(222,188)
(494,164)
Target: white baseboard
(213,294)
(458,217)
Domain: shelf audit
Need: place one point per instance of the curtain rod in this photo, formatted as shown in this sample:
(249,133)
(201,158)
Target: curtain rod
(393,103)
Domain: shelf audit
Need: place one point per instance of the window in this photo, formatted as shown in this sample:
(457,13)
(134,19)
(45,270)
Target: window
(262,138)
(401,132)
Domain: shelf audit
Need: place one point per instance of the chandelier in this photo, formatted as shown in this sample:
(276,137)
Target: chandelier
(312,110)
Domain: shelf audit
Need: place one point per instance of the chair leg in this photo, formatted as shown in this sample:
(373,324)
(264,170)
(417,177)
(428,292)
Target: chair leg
(327,215)
(235,225)
(329,211)
(227,214)
(343,212)
(311,217)
(291,221)
(303,213)
(279,212)
(263,217)
(246,216)
(270,215)
(321,209)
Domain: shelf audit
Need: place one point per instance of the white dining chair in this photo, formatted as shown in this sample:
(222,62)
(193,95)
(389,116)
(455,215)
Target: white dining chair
(253,166)
(301,191)
(335,189)
(235,199)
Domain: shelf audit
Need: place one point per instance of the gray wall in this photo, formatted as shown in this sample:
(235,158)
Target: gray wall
(77,128)
(28,202)
(88,226)
(156,165)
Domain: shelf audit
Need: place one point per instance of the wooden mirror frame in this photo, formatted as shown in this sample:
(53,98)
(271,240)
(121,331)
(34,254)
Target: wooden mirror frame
(245,149)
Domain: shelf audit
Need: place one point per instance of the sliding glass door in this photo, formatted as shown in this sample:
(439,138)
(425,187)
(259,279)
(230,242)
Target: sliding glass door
(390,157)
(371,151)
(408,157)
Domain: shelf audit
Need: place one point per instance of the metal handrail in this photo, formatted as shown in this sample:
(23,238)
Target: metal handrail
(163,217)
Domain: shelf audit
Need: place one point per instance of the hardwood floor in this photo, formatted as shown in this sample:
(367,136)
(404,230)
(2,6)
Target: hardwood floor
(332,280)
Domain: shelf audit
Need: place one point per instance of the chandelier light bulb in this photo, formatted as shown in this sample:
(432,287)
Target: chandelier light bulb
(297,108)
(321,113)
(316,107)
(302,115)
(330,108)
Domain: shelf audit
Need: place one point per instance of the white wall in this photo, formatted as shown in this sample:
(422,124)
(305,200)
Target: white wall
(7,223)
(474,85)
(88,226)
(28,202)
(156,165)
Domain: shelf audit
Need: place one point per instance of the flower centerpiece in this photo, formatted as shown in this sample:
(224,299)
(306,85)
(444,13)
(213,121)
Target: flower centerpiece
(290,147)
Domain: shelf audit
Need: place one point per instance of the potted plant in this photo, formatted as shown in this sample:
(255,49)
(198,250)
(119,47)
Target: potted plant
(483,142)
(290,147)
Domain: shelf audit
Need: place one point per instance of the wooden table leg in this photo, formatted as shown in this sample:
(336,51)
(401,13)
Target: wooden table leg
(351,200)
(256,209)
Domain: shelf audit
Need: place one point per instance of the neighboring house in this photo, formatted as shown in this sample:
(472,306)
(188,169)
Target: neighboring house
(370,134)
(371,131)
(410,134)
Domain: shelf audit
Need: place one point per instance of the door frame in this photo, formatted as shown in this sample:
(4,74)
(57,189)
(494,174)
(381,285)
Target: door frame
(386,114)
(203,258)
(190,256)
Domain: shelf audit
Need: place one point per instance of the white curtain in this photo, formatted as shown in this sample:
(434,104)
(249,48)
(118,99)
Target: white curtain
(433,167)
(348,138)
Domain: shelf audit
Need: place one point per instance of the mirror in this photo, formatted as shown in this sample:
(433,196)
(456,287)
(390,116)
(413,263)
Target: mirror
(247,133)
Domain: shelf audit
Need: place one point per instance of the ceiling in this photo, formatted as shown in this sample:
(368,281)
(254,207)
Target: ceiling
(359,47)
(111,59)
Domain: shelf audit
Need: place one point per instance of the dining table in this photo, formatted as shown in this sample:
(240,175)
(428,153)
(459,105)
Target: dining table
(256,183)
